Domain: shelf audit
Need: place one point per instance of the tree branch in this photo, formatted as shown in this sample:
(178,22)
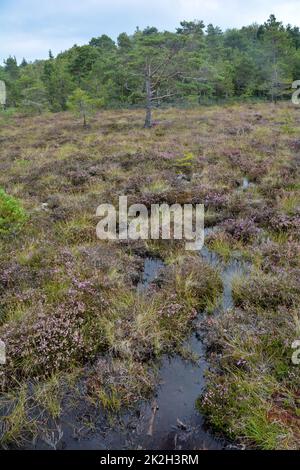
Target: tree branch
(163,97)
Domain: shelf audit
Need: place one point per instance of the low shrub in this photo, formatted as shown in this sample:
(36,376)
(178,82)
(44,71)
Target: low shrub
(12,215)
(266,291)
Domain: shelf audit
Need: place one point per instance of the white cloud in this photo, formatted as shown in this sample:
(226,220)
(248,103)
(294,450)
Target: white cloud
(30,28)
(36,47)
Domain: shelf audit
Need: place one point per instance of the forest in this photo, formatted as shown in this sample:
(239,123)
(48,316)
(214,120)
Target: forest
(197,64)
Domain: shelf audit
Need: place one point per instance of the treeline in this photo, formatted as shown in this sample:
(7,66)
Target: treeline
(193,65)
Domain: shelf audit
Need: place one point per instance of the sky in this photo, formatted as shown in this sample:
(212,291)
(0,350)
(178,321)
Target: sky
(29,28)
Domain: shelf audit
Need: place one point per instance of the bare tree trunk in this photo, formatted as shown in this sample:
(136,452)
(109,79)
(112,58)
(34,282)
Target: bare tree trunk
(274,75)
(148,120)
(83,113)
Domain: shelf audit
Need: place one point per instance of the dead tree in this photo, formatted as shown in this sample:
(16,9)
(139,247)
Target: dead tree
(158,77)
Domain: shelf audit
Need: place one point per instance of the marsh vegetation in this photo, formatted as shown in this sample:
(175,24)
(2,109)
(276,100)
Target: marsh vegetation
(84,341)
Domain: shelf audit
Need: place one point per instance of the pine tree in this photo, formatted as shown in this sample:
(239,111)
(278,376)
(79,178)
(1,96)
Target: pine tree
(81,104)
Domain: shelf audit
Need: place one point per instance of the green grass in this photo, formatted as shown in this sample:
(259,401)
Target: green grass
(16,422)
(58,280)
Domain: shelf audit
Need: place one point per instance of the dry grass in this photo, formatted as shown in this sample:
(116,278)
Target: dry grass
(57,277)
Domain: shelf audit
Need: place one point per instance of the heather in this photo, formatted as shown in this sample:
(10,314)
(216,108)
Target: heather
(81,334)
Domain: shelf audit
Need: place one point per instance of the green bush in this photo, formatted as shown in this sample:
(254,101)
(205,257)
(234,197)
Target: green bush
(12,215)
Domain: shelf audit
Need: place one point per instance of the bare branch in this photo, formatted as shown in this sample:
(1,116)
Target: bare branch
(163,97)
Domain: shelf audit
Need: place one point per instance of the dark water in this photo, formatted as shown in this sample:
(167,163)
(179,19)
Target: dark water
(152,268)
(177,423)
(170,421)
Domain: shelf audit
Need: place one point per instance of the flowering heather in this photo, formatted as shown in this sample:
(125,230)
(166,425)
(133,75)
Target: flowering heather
(284,223)
(52,342)
(243,230)
(276,255)
(71,307)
